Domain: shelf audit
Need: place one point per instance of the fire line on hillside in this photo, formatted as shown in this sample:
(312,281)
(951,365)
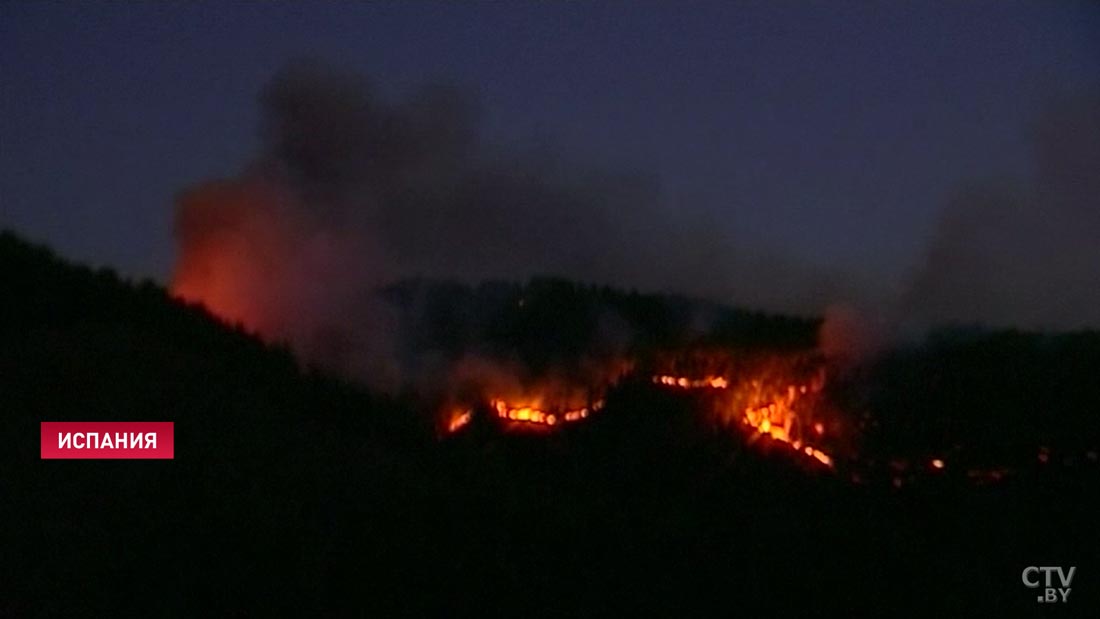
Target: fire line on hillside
(774,397)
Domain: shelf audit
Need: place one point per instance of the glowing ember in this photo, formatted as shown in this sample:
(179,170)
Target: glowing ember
(459,419)
(822,457)
(538,417)
(778,421)
(937,463)
(710,382)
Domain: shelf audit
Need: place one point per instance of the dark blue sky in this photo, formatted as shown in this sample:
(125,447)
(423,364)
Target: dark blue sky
(829,132)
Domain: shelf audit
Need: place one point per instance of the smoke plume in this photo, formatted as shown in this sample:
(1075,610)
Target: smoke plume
(350,192)
(1022,253)
(1005,253)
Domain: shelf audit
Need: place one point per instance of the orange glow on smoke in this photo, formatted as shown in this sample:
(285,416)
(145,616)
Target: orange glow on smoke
(230,243)
(205,279)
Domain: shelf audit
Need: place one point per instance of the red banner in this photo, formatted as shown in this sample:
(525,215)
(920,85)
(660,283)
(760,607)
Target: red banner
(108,440)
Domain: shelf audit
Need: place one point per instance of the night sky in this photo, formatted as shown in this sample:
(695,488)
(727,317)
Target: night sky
(831,135)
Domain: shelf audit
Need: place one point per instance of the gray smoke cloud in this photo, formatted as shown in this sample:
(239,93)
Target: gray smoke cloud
(416,180)
(350,192)
(1005,253)
(1022,252)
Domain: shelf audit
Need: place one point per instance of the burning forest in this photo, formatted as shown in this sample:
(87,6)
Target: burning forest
(407,364)
(523,412)
(313,246)
(538,359)
(777,397)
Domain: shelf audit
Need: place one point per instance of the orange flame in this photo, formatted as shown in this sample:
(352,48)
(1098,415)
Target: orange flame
(459,419)
(764,396)
(710,382)
(528,414)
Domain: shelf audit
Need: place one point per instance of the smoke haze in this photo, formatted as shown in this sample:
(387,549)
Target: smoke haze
(350,192)
(1022,253)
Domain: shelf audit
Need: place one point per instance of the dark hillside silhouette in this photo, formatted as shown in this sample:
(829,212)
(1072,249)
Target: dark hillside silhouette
(295,493)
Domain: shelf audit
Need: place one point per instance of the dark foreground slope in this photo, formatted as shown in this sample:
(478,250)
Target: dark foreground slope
(293,494)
